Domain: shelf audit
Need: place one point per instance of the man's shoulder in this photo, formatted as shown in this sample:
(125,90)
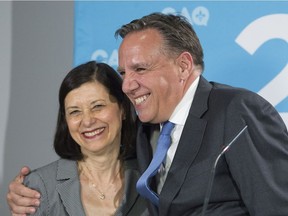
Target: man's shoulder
(226,90)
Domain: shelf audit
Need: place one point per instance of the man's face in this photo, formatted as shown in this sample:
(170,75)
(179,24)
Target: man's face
(150,78)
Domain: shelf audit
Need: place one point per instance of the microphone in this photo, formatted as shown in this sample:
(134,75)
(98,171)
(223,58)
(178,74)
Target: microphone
(211,179)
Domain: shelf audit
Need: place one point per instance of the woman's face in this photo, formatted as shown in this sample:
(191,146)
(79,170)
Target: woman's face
(94,119)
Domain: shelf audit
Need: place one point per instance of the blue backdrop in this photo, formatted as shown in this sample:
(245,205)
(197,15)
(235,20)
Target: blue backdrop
(245,43)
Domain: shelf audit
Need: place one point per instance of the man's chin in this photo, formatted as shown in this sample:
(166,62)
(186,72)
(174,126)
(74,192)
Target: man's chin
(144,118)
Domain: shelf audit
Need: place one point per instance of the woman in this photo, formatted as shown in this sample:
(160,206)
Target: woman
(95,136)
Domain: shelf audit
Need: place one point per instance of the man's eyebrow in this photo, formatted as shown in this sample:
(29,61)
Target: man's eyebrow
(134,66)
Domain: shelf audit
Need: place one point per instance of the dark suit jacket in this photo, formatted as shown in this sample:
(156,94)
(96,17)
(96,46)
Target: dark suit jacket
(59,186)
(250,179)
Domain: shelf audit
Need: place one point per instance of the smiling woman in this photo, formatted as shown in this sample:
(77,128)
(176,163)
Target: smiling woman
(95,138)
(94,119)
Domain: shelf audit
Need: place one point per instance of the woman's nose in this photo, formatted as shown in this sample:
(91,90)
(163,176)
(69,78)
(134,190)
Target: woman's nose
(88,118)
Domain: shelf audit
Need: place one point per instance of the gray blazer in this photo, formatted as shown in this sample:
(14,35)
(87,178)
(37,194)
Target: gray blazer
(58,183)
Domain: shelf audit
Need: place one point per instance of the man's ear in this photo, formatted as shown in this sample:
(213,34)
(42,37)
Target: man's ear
(185,63)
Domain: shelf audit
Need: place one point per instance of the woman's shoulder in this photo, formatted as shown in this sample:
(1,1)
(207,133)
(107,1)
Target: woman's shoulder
(51,170)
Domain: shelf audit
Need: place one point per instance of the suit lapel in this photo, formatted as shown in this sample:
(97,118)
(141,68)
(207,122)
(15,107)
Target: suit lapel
(143,147)
(145,154)
(69,187)
(188,146)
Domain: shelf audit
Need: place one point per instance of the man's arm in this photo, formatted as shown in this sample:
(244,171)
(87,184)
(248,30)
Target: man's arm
(258,163)
(22,200)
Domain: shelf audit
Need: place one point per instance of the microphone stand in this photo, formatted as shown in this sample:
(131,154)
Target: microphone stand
(210,183)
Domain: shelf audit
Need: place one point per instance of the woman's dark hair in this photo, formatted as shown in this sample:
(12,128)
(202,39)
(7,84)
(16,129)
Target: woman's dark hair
(64,144)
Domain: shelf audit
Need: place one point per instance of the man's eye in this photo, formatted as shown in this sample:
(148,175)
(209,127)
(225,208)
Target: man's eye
(122,73)
(140,70)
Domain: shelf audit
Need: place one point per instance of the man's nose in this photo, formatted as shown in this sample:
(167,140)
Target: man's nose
(129,84)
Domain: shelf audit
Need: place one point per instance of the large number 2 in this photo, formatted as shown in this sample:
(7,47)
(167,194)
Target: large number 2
(252,37)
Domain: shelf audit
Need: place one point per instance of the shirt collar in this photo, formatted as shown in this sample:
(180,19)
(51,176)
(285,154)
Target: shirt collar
(181,111)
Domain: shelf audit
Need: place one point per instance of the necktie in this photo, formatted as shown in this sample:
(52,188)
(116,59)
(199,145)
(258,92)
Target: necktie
(163,144)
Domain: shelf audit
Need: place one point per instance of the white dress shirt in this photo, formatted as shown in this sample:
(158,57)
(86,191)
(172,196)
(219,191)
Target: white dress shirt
(178,117)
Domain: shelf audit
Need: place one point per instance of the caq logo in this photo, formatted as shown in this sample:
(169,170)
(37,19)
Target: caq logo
(199,15)
(253,37)
(102,55)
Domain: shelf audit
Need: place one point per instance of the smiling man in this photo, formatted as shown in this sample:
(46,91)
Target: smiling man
(161,62)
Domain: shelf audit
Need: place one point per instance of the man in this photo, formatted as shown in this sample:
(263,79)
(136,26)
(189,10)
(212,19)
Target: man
(161,61)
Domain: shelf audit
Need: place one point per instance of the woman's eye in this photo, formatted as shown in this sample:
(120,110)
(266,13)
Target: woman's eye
(74,112)
(98,106)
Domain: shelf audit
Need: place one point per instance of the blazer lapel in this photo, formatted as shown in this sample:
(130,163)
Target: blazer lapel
(188,146)
(130,197)
(69,187)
